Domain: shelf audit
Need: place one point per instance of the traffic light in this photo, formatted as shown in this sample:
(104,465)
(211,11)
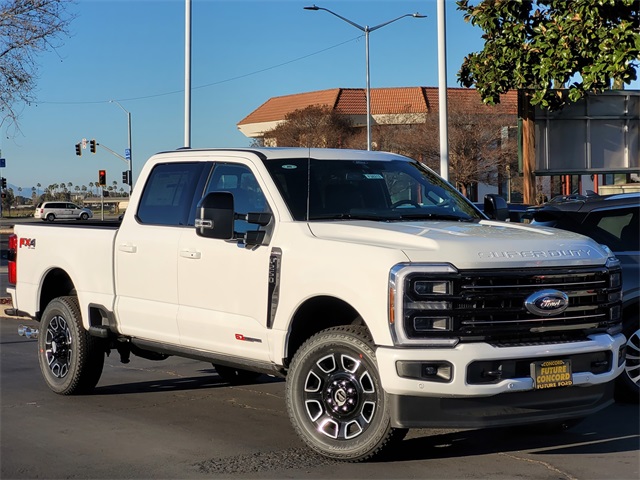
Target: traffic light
(3,183)
(102,177)
(126,177)
(92,146)
(78,149)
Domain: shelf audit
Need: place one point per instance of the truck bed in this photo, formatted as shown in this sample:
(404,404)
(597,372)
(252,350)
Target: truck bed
(84,250)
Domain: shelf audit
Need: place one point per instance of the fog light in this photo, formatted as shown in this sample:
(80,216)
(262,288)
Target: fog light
(439,371)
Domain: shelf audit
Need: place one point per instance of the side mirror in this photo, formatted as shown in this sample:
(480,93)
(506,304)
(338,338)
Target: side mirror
(495,207)
(215,216)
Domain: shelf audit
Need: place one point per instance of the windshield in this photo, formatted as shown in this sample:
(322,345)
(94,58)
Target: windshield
(371,190)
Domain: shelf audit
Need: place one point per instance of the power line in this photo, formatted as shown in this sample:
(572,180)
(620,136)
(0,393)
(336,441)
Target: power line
(231,79)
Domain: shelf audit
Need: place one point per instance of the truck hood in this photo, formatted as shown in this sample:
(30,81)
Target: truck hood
(469,245)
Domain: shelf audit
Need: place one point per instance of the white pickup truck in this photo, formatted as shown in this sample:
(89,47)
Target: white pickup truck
(385,298)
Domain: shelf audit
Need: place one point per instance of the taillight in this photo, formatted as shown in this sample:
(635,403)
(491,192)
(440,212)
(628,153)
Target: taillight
(12,257)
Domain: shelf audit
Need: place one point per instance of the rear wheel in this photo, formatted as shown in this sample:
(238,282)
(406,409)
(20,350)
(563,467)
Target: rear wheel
(334,396)
(71,360)
(51,217)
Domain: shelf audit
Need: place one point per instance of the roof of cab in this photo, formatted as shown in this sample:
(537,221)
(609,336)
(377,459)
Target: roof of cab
(278,153)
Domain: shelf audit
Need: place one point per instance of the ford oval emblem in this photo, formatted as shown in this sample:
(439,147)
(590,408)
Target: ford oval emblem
(547,302)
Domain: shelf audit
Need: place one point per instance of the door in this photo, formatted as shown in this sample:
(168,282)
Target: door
(146,259)
(223,285)
(71,211)
(618,228)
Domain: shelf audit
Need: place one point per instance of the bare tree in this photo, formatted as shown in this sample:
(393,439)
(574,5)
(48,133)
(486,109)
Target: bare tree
(480,150)
(313,126)
(27,28)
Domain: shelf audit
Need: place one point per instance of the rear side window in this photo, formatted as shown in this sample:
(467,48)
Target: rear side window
(169,193)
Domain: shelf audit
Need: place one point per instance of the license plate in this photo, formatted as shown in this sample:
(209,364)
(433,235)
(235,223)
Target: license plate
(551,374)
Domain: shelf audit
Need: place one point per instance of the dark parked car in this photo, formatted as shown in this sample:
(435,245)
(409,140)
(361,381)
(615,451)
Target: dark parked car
(516,210)
(611,220)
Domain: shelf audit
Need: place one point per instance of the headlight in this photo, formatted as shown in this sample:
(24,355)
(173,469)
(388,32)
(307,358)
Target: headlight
(420,304)
(612,260)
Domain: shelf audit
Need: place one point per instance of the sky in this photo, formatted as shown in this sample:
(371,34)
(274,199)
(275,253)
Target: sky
(243,53)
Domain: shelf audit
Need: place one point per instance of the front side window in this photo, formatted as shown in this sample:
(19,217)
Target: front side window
(169,192)
(374,190)
(247,194)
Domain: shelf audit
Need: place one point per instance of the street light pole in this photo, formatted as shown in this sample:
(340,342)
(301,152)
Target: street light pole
(130,176)
(366,29)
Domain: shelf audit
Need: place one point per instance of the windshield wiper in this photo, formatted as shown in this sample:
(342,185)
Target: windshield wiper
(435,216)
(354,216)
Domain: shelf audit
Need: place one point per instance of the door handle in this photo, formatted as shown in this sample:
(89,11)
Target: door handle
(193,254)
(128,248)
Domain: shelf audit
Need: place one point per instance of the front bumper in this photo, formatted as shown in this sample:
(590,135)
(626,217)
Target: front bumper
(507,409)
(467,400)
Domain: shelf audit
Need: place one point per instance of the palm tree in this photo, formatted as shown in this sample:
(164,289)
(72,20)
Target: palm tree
(38,185)
(91,187)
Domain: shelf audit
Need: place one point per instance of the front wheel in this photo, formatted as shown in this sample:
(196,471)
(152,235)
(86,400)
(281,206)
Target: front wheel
(71,360)
(628,383)
(84,216)
(335,398)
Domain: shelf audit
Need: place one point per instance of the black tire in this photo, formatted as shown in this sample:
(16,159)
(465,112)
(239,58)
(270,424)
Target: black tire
(71,360)
(51,217)
(335,398)
(628,383)
(84,216)
(236,376)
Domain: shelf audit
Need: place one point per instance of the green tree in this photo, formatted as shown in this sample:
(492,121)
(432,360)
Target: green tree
(542,45)
(8,200)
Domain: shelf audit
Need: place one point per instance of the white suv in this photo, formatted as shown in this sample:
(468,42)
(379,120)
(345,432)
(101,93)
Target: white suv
(51,211)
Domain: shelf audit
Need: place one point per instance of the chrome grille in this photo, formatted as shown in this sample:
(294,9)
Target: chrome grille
(490,304)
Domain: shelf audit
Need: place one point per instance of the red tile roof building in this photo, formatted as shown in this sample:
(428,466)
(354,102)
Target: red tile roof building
(397,105)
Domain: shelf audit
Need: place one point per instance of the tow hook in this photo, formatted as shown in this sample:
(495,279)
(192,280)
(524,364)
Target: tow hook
(28,332)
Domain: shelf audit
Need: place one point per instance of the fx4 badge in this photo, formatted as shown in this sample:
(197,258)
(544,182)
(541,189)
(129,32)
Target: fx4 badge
(27,242)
